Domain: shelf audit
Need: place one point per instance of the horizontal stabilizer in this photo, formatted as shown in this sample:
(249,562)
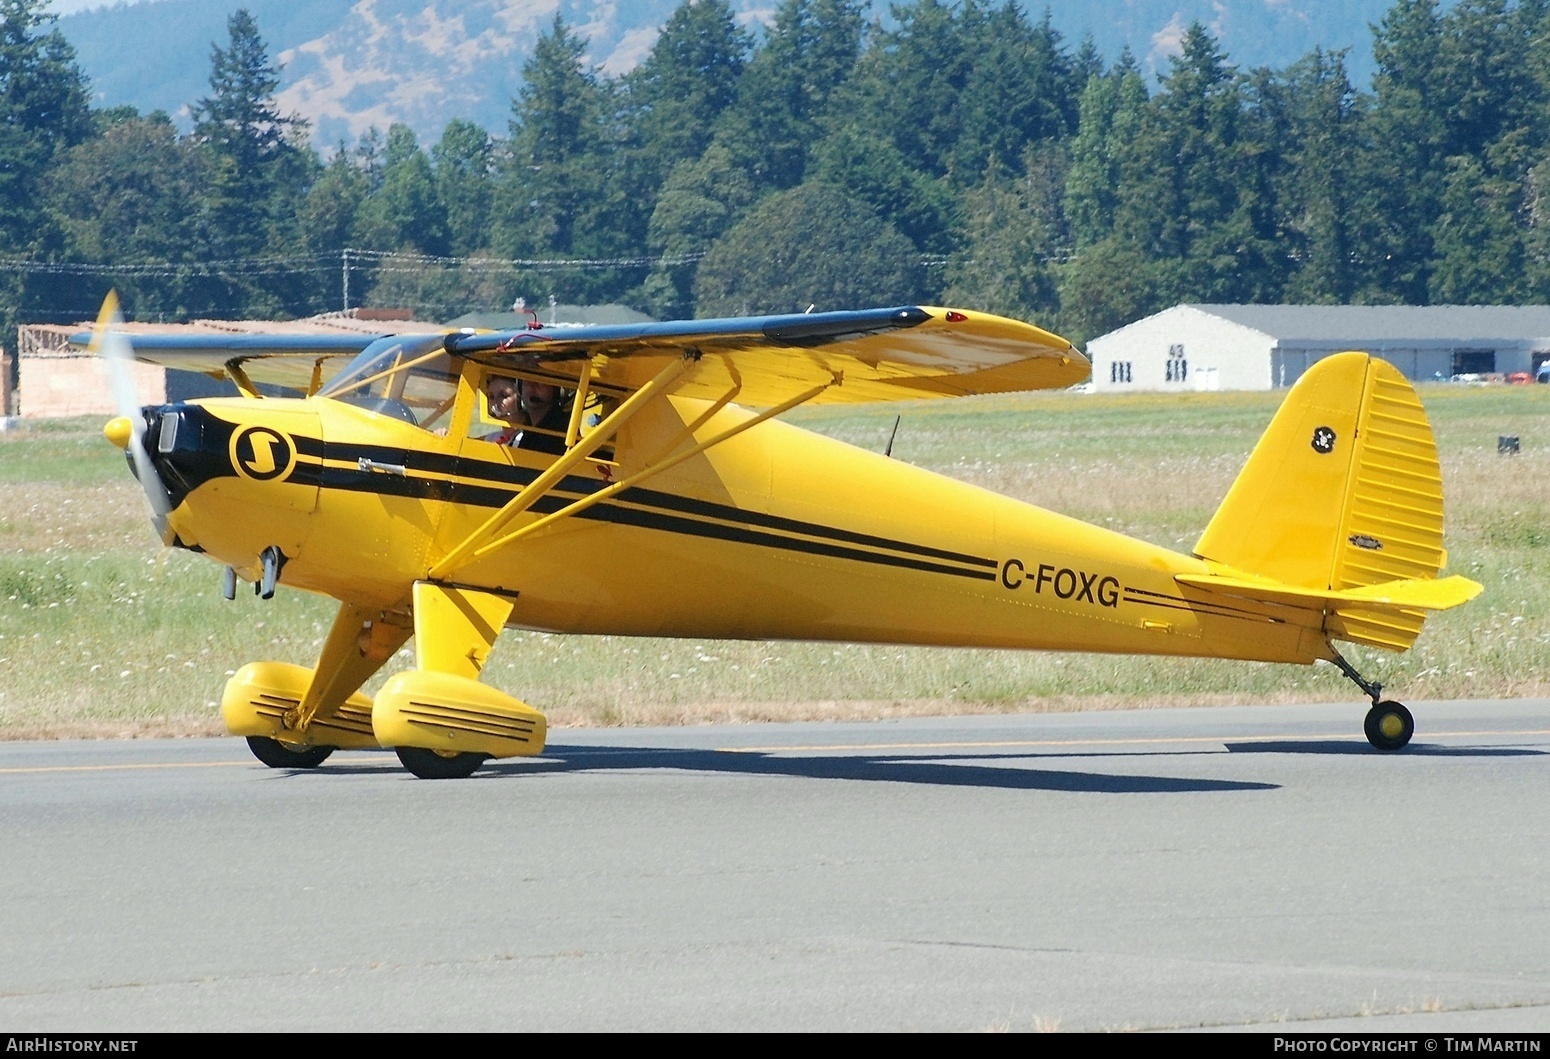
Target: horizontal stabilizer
(1413,594)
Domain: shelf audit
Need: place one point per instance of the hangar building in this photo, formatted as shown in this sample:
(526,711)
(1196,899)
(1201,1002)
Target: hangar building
(1262,347)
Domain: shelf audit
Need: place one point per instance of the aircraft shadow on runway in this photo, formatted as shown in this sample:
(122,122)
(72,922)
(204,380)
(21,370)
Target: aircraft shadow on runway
(937,770)
(1357,748)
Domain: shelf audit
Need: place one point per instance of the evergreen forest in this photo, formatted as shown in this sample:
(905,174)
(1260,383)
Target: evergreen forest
(965,154)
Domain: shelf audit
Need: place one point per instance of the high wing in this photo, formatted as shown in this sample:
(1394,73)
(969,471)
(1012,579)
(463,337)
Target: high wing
(295,360)
(867,355)
(891,354)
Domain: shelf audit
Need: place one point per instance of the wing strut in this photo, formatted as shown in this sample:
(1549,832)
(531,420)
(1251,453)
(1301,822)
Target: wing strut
(578,407)
(466,552)
(244,384)
(647,472)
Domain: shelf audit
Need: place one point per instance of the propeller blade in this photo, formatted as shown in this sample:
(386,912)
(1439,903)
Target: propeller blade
(118,355)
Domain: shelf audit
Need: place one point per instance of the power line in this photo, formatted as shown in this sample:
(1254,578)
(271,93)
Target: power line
(363,260)
(236,266)
(374,260)
(492,263)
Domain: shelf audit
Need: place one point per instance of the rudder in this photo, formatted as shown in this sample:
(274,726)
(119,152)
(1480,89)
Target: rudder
(1343,491)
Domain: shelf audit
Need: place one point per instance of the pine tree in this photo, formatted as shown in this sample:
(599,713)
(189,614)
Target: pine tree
(810,246)
(1408,168)
(676,95)
(1480,254)
(1110,283)
(407,205)
(699,202)
(806,247)
(1485,77)
(331,222)
(876,172)
(122,198)
(464,159)
(1222,237)
(566,187)
(1113,108)
(43,110)
(1495,131)
(785,90)
(1021,91)
(258,166)
(909,87)
(1005,265)
(1321,186)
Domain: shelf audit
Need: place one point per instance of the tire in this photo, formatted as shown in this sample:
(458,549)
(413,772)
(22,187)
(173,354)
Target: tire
(277,755)
(436,765)
(1389,726)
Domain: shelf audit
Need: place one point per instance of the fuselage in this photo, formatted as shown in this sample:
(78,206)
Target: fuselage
(775,533)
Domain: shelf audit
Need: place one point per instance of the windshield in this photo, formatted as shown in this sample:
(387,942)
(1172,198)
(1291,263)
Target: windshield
(408,377)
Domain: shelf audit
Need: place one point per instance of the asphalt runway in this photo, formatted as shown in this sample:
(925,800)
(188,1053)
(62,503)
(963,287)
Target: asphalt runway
(1222,868)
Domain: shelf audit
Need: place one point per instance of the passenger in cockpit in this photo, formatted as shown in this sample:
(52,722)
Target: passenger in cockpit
(525,404)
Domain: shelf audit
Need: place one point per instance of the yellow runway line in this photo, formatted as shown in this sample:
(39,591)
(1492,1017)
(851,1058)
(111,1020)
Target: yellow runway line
(112,768)
(121,768)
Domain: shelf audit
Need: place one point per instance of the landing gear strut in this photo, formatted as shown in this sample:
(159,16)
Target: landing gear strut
(1389,725)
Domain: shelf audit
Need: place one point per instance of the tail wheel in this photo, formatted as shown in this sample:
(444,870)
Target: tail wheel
(1389,726)
(277,755)
(439,764)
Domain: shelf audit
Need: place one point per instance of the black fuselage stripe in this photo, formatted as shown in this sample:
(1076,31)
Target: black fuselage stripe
(422,488)
(1207,609)
(465,469)
(1227,607)
(709,509)
(693,527)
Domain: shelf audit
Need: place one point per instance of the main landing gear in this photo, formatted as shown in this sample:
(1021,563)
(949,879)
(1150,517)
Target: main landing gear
(1389,725)
(439,764)
(277,755)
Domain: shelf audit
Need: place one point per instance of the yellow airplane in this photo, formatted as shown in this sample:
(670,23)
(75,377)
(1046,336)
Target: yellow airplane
(669,500)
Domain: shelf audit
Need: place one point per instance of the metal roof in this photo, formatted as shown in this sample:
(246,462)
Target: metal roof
(1389,323)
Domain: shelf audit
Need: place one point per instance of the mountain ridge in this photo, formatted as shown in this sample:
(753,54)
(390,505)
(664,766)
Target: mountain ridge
(347,65)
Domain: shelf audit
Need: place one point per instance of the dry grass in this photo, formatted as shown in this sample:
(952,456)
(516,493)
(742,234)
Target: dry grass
(101,633)
(44,519)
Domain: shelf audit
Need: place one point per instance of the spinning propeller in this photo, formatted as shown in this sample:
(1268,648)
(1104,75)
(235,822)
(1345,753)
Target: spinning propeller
(129,429)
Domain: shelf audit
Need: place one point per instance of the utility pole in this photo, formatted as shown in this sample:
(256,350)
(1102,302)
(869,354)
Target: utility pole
(344,268)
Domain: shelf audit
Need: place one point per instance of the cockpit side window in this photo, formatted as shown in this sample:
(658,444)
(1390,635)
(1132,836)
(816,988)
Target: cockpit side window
(407,377)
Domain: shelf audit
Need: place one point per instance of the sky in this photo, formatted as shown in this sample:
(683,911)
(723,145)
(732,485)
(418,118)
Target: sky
(70,7)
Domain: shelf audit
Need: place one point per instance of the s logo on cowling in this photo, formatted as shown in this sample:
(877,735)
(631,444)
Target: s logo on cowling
(262,454)
(1323,440)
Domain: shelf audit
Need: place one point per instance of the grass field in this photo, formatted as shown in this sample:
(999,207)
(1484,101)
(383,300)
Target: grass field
(103,633)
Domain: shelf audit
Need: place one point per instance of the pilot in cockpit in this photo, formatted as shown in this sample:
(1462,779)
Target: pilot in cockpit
(524,404)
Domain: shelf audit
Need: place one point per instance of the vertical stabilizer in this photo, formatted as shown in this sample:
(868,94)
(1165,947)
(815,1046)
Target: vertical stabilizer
(1342,492)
